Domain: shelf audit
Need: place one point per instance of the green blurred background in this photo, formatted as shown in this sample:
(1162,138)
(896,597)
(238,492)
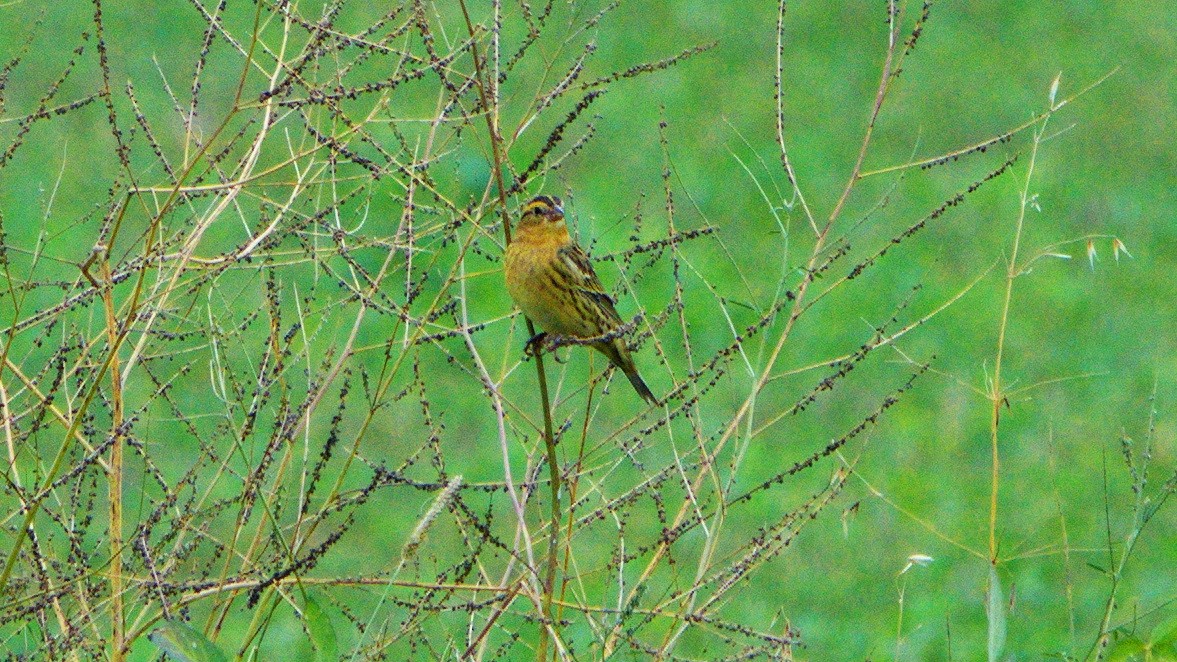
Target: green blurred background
(980,68)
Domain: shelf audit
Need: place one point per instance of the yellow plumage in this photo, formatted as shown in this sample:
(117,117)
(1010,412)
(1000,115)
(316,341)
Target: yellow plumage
(553,283)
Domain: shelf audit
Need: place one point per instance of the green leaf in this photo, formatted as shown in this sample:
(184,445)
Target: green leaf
(1165,634)
(321,631)
(184,643)
(1128,649)
(995,611)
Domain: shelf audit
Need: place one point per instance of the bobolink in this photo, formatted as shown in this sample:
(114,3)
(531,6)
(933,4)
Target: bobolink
(553,283)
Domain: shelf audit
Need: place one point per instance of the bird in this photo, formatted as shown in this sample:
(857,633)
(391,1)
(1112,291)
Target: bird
(552,281)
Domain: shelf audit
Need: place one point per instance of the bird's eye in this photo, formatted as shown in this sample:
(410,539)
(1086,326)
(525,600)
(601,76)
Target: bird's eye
(546,207)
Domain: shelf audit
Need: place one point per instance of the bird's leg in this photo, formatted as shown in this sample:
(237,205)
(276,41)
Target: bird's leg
(535,344)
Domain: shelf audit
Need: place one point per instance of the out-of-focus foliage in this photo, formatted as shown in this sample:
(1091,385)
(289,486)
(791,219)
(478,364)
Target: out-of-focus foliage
(315,351)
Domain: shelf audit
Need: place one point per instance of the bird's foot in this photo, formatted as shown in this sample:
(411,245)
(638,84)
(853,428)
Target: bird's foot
(535,344)
(545,342)
(552,342)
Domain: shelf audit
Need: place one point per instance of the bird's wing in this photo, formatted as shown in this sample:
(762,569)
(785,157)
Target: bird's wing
(581,275)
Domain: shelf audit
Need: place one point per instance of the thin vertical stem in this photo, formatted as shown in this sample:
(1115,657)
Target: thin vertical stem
(996,395)
(490,108)
(554,480)
(574,484)
(115,473)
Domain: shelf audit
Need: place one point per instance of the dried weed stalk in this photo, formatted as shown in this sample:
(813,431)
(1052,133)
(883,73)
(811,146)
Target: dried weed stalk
(265,371)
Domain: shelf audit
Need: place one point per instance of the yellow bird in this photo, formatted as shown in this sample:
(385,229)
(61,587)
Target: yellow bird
(553,283)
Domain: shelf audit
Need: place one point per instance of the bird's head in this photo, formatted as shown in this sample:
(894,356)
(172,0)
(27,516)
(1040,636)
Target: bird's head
(543,211)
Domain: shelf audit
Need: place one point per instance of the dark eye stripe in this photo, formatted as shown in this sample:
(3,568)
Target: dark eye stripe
(542,203)
(536,206)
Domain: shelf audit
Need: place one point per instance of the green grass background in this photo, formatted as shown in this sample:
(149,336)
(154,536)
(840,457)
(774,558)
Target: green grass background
(979,69)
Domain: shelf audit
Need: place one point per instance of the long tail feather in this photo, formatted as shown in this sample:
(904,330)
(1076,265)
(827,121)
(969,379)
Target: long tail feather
(619,356)
(641,388)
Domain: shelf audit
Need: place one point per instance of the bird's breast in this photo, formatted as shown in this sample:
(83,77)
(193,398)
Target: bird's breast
(533,285)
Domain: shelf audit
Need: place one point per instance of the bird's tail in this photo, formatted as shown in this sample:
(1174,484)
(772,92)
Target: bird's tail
(640,386)
(619,356)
